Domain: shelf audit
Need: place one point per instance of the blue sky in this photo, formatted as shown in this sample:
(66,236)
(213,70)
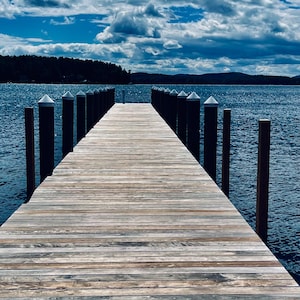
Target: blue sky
(159,36)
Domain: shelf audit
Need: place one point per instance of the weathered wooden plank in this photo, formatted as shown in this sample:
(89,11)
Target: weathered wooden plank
(34,291)
(130,214)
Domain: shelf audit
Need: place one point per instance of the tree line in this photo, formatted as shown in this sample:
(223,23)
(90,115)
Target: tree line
(37,69)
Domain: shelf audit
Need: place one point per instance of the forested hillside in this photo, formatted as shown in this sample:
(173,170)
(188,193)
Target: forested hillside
(36,69)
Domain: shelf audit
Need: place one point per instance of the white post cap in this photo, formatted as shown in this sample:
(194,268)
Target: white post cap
(90,92)
(46,101)
(80,94)
(173,93)
(193,97)
(182,94)
(68,96)
(211,102)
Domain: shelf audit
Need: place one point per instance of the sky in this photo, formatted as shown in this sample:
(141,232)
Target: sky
(159,36)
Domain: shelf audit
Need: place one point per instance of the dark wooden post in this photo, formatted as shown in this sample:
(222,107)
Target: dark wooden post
(165,105)
(96,106)
(67,123)
(110,98)
(193,124)
(101,103)
(181,98)
(30,161)
(113,97)
(89,110)
(173,109)
(160,101)
(123,97)
(154,97)
(226,151)
(81,115)
(263,179)
(210,136)
(46,128)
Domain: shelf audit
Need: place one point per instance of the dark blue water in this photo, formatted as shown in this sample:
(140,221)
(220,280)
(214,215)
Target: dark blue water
(281,104)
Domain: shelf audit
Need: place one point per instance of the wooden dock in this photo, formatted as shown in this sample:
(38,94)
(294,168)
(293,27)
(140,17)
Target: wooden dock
(130,214)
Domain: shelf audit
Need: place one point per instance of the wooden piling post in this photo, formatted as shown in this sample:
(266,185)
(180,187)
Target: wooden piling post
(96,106)
(160,101)
(123,97)
(81,115)
(90,99)
(263,179)
(193,124)
(173,109)
(154,97)
(46,129)
(210,136)
(165,105)
(226,151)
(101,103)
(111,97)
(30,161)
(181,98)
(107,100)
(67,123)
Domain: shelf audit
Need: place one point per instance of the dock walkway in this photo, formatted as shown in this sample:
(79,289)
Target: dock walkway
(130,214)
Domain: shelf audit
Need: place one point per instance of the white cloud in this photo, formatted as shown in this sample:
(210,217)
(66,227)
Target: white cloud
(66,21)
(172,44)
(8,10)
(7,41)
(153,51)
(138,22)
(248,36)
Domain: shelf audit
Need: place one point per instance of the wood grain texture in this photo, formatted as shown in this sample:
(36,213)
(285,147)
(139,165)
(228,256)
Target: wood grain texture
(130,214)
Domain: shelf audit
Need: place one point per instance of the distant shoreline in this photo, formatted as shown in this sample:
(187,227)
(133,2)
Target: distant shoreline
(60,70)
(232,78)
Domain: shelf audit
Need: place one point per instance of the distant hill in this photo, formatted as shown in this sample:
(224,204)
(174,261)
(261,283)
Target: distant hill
(213,78)
(36,69)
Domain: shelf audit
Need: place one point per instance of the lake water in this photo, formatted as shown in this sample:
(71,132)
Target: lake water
(280,104)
